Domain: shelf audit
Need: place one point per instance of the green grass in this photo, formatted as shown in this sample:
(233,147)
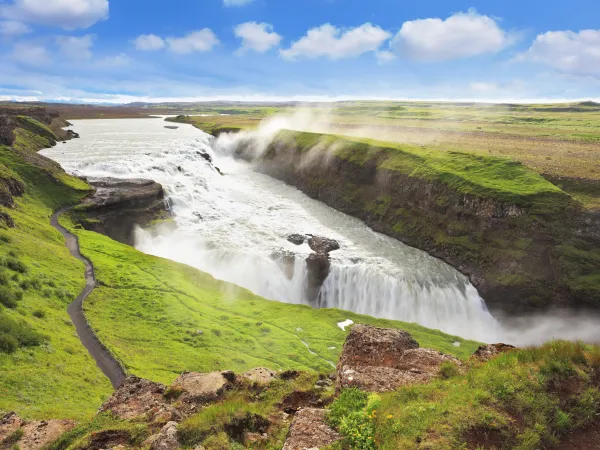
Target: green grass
(525,399)
(55,376)
(481,176)
(148,311)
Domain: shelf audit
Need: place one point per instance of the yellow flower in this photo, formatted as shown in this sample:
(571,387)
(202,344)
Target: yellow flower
(389,416)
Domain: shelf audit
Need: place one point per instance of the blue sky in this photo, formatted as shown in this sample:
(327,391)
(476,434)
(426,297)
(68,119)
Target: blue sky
(149,50)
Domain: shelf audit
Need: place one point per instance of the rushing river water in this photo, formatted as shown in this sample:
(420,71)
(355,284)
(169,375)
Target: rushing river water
(231,226)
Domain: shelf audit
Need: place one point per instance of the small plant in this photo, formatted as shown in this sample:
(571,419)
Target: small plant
(8,344)
(16,265)
(448,369)
(8,298)
(39,313)
(173,393)
(353,414)
(13,438)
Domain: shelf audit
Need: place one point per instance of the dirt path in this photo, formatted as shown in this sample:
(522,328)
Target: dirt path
(104,360)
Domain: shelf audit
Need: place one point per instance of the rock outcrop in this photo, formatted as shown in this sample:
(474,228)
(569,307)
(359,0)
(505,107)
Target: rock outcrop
(119,205)
(310,431)
(487,352)
(166,439)
(16,432)
(138,398)
(200,388)
(318,263)
(381,360)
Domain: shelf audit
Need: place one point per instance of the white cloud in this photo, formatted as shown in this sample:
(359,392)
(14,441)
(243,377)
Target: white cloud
(336,43)
(196,41)
(67,14)
(76,47)
(149,42)
(482,86)
(114,61)
(30,54)
(257,36)
(237,2)
(461,35)
(385,56)
(13,28)
(567,51)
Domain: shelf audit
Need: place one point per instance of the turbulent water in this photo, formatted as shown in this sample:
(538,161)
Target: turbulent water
(234,225)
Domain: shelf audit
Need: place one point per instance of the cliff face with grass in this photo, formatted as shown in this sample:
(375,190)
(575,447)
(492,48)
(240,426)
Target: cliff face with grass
(524,243)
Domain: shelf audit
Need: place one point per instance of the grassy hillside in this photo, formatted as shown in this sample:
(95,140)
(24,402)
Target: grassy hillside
(162,318)
(49,374)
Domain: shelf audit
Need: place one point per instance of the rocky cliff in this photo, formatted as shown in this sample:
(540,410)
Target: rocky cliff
(119,205)
(524,243)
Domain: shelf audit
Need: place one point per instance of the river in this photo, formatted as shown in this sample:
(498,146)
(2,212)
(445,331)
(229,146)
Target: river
(232,225)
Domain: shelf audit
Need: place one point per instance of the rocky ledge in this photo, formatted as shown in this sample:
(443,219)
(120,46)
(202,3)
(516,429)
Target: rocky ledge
(119,205)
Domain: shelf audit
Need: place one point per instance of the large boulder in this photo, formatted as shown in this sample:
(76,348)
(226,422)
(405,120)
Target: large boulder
(320,244)
(201,388)
(259,376)
(381,360)
(16,432)
(139,398)
(310,431)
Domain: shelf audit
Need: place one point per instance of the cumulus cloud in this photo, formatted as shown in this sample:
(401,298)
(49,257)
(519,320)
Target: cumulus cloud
(337,43)
(30,54)
(385,56)
(149,42)
(12,28)
(196,41)
(237,2)
(76,47)
(461,35)
(567,51)
(259,37)
(67,14)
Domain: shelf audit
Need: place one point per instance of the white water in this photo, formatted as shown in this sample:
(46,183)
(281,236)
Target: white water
(230,226)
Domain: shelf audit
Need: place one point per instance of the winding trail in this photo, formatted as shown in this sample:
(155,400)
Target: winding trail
(104,360)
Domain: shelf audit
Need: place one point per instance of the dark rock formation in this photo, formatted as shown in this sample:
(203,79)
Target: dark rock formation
(319,244)
(382,360)
(119,205)
(317,266)
(297,239)
(309,430)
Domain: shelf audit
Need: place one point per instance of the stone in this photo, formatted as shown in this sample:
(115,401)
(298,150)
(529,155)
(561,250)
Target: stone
(297,239)
(382,360)
(372,346)
(309,431)
(487,352)
(320,244)
(259,376)
(200,388)
(35,434)
(140,398)
(167,438)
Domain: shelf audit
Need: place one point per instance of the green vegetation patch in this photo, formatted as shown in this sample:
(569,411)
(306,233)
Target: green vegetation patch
(525,399)
(48,373)
(481,176)
(161,318)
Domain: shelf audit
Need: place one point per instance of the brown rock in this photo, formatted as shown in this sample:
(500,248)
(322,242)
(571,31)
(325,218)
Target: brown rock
(381,360)
(309,431)
(36,434)
(167,438)
(137,397)
(260,376)
(203,387)
(372,346)
(108,439)
(486,352)
(320,244)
